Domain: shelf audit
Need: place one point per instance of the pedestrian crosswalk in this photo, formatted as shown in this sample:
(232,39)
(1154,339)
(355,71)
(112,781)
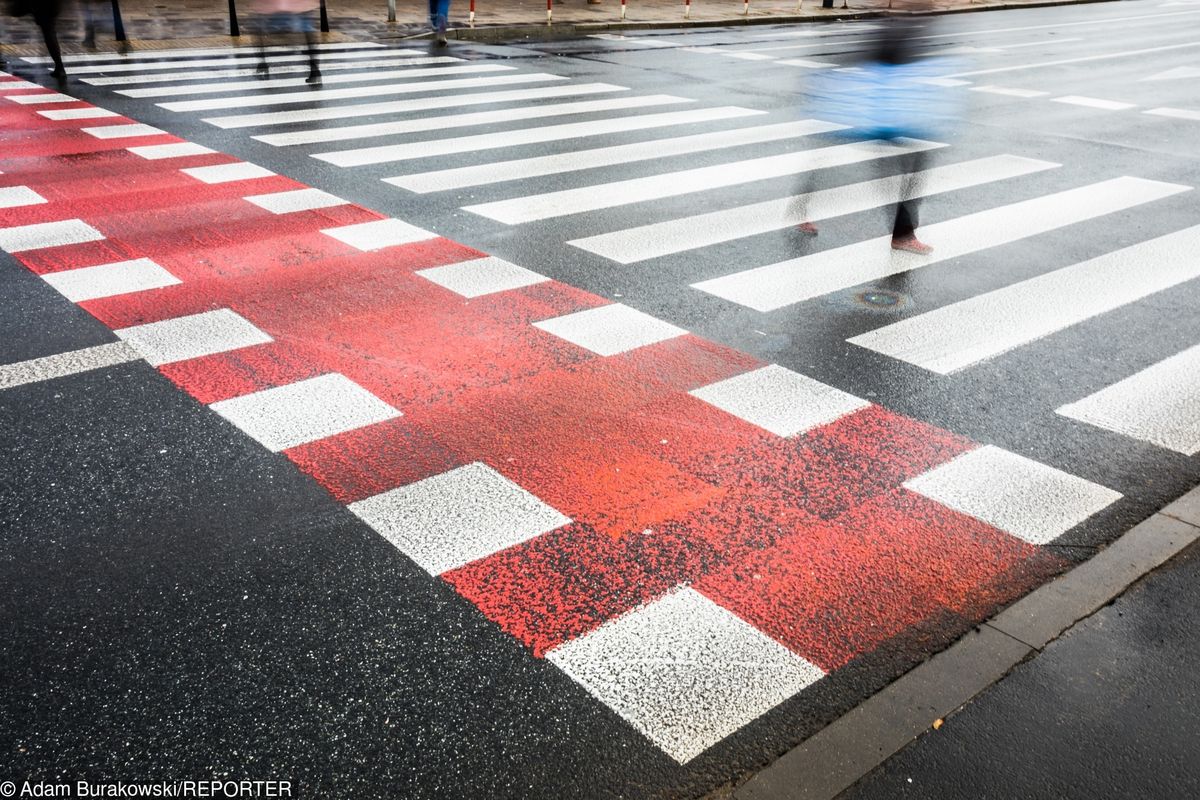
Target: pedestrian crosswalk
(581,151)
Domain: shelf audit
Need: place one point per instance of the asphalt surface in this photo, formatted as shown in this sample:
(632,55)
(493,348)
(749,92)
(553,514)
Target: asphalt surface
(1107,711)
(188,604)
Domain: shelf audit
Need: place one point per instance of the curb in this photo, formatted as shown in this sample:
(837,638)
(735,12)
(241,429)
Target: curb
(569,30)
(836,757)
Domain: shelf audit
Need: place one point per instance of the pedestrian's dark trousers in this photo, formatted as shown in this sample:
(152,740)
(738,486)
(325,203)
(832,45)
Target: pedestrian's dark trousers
(45,14)
(439,15)
(906,208)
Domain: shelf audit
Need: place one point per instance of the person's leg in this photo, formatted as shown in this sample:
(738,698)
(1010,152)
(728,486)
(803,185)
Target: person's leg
(441,18)
(48,23)
(310,44)
(89,24)
(904,227)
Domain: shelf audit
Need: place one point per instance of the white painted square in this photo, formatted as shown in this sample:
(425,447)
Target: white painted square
(1093,102)
(195,335)
(8,86)
(87,112)
(457,517)
(224,173)
(481,276)
(14,196)
(1020,496)
(684,671)
(44,97)
(379,234)
(47,234)
(107,280)
(295,200)
(154,152)
(783,402)
(305,411)
(122,131)
(610,329)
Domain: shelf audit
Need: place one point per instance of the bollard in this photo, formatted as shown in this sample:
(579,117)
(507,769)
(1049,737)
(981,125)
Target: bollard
(826,3)
(549,12)
(391,11)
(622,10)
(118,25)
(324,18)
(746,8)
(233,25)
(687,9)
(471,18)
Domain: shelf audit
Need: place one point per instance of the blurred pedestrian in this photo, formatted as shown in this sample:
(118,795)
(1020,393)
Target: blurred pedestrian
(887,98)
(45,14)
(288,19)
(439,19)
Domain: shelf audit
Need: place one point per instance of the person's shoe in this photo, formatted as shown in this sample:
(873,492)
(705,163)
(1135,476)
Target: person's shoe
(441,40)
(807,228)
(313,77)
(89,42)
(262,70)
(59,73)
(911,244)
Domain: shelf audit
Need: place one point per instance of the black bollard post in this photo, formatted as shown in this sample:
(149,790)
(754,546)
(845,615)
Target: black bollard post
(324,18)
(118,25)
(233,26)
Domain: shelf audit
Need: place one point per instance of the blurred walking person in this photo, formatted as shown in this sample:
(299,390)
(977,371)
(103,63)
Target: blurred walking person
(439,19)
(887,98)
(289,19)
(45,15)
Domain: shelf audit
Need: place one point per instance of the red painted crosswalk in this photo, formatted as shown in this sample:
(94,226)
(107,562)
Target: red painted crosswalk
(564,476)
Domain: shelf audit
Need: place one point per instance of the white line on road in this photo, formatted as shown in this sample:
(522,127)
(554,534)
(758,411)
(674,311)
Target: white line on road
(64,364)
(1080,60)
(228,61)
(247,71)
(959,335)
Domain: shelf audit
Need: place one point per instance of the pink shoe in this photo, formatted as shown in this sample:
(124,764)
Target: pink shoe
(807,228)
(911,244)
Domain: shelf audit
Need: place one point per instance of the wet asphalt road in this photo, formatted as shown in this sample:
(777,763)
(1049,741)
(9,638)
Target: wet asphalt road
(182,603)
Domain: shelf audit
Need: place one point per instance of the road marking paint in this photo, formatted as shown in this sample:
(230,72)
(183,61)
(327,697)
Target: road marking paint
(779,400)
(47,234)
(176,70)
(684,671)
(123,131)
(946,82)
(45,97)
(17,196)
(481,276)
(224,173)
(192,336)
(672,184)
(107,280)
(793,281)
(325,95)
(9,86)
(295,200)
(608,330)
(1003,90)
(378,234)
(61,365)
(305,411)
(1030,500)
(247,71)
(688,233)
(1160,404)
(251,52)
(155,152)
(326,80)
(90,112)
(1092,102)
(405,106)
(1080,60)
(460,516)
(314,135)
(1176,113)
(518,169)
(807,63)
(959,335)
(545,133)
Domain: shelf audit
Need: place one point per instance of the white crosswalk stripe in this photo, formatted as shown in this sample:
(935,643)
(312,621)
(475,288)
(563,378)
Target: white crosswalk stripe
(253,59)
(778,285)
(146,55)
(244,71)
(957,336)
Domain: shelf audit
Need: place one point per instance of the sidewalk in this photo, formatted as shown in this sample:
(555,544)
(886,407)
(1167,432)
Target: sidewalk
(153,24)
